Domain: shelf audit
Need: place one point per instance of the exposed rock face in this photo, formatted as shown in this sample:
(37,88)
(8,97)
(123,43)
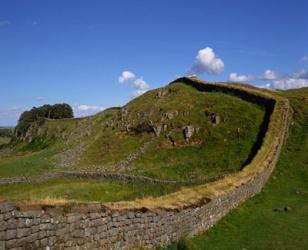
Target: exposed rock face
(165,128)
(127,128)
(161,93)
(157,129)
(188,132)
(109,123)
(216,119)
(123,113)
(171,114)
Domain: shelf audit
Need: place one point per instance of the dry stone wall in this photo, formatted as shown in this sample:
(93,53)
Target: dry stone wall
(102,226)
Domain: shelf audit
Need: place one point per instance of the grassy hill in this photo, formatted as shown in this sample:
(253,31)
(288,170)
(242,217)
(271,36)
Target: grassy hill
(147,137)
(277,217)
(172,133)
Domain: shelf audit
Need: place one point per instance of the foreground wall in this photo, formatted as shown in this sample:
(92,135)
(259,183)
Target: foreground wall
(97,226)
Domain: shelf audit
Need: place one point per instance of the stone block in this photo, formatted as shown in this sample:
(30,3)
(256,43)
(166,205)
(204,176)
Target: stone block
(11,234)
(22,232)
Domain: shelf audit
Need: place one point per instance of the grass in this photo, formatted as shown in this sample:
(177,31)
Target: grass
(255,224)
(27,163)
(224,147)
(84,190)
(4,140)
(111,145)
(221,148)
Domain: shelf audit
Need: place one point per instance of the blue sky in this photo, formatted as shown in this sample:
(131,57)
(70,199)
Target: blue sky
(75,51)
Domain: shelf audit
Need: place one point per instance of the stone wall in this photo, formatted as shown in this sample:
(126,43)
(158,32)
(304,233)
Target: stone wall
(105,226)
(100,175)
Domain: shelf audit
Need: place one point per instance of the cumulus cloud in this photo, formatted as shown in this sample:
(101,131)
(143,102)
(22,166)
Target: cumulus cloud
(138,92)
(141,86)
(264,86)
(289,83)
(89,107)
(302,74)
(269,75)
(234,77)
(126,76)
(85,110)
(4,23)
(296,80)
(207,62)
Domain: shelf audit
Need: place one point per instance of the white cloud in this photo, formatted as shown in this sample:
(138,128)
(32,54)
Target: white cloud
(269,75)
(234,77)
(126,76)
(296,80)
(289,83)
(138,92)
(4,23)
(301,74)
(207,62)
(86,110)
(89,107)
(264,86)
(141,84)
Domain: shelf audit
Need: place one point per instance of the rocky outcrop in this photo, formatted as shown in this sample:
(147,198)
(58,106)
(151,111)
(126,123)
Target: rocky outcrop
(157,129)
(188,132)
(162,92)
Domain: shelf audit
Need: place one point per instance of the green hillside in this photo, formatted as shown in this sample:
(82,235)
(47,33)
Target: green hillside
(277,217)
(173,133)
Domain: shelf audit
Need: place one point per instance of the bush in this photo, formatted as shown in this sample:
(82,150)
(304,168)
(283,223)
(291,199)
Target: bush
(60,111)
(57,111)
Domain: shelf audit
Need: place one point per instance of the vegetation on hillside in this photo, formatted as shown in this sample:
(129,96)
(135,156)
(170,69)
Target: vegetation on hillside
(274,219)
(4,140)
(224,133)
(277,217)
(85,190)
(57,111)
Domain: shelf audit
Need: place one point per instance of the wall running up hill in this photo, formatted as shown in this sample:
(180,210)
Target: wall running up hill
(112,226)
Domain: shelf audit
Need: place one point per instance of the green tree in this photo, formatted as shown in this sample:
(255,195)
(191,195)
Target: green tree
(38,114)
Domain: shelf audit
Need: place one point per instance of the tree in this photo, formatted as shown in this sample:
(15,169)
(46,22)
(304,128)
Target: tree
(57,111)
(60,111)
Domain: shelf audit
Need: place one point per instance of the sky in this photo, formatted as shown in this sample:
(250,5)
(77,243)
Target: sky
(97,54)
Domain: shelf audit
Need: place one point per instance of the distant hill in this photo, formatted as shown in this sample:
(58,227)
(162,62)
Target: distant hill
(6,131)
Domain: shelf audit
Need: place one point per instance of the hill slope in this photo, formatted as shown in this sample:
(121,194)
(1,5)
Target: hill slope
(147,137)
(277,217)
(176,133)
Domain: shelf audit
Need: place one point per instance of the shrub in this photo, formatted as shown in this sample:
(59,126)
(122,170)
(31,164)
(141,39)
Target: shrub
(57,111)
